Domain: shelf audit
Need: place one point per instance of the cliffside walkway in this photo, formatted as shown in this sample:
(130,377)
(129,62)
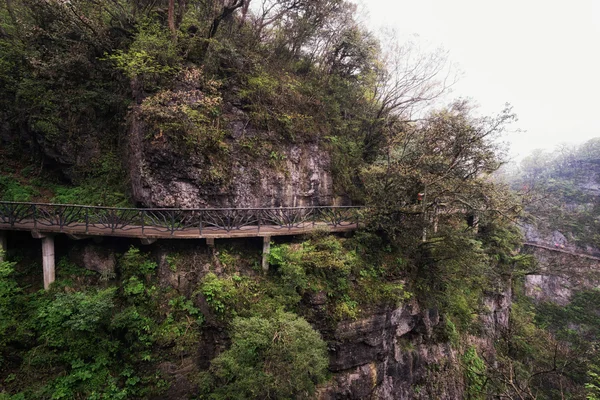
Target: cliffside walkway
(150,224)
(559,250)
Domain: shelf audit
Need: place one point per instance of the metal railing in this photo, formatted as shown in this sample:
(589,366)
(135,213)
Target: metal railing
(171,220)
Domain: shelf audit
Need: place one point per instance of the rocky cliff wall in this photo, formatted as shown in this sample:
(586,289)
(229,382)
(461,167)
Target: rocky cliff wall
(223,162)
(403,353)
(162,178)
(391,353)
(560,272)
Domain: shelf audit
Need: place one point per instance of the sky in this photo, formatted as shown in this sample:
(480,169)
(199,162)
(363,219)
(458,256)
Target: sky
(542,57)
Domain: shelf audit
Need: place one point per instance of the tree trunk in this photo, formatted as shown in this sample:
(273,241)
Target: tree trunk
(214,27)
(172,18)
(244,12)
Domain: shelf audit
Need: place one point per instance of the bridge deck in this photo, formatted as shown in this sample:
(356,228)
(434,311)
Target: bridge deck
(150,224)
(176,223)
(151,232)
(558,250)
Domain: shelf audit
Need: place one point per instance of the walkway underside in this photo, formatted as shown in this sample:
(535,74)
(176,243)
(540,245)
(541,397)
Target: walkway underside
(150,232)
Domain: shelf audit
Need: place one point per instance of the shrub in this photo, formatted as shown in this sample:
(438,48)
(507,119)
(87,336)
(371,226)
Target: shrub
(271,358)
(220,294)
(13,190)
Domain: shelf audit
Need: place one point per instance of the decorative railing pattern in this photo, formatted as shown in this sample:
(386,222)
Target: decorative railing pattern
(171,220)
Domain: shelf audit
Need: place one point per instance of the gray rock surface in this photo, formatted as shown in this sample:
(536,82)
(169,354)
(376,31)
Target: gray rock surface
(257,169)
(396,354)
(95,258)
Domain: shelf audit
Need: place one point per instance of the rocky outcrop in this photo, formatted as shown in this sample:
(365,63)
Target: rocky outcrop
(559,275)
(95,258)
(168,180)
(563,267)
(247,167)
(404,353)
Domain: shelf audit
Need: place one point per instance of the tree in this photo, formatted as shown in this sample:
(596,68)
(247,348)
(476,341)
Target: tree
(447,158)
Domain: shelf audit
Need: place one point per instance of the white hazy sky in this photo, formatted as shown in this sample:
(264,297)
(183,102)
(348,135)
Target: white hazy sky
(542,56)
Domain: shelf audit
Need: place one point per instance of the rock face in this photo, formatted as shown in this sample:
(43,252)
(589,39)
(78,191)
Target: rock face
(167,180)
(95,258)
(402,354)
(560,271)
(246,168)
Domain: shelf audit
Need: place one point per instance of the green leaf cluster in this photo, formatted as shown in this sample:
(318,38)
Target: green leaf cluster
(279,357)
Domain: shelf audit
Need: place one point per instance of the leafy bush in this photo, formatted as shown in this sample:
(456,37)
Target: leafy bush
(9,316)
(13,190)
(475,374)
(220,294)
(270,358)
(151,55)
(134,263)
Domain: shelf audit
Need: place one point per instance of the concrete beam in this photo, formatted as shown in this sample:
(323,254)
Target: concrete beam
(37,235)
(3,247)
(48,260)
(77,237)
(148,241)
(265,253)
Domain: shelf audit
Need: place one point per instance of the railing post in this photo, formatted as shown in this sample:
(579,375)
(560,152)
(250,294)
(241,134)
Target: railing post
(113,220)
(201,221)
(258,218)
(172,212)
(87,219)
(143,214)
(172,222)
(60,217)
(11,216)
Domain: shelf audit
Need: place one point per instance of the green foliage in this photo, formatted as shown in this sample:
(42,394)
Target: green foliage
(293,275)
(556,188)
(97,343)
(76,313)
(13,190)
(270,358)
(475,374)
(220,294)
(530,362)
(134,263)
(593,386)
(181,327)
(330,265)
(189,118)
(9,299)
(577,325)
(99,184)
(151,55)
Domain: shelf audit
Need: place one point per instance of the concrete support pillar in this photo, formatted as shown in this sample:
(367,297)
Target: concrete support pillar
(210,242)
(2,245)
(48,260)
(265,253)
